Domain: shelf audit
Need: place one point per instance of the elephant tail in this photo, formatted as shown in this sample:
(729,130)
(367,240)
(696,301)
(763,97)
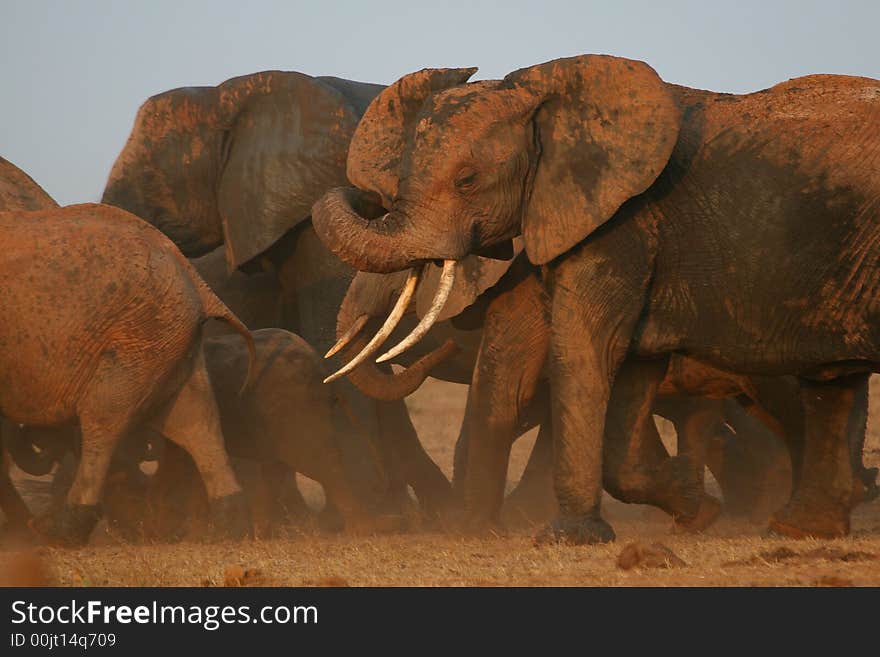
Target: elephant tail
(214,308)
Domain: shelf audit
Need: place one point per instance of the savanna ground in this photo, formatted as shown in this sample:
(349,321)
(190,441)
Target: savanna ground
(733,552)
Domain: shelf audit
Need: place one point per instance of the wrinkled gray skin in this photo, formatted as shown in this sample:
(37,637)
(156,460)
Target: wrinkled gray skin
(657,214)
(239,165)
(747,455)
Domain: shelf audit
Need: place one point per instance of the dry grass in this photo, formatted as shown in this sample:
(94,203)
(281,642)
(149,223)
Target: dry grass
(731,553)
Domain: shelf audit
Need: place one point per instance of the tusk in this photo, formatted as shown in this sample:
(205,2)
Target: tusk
(388,327)
(447,278)
(352,331)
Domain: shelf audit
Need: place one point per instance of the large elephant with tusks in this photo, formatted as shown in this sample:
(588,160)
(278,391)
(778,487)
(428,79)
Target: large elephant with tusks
(740,230)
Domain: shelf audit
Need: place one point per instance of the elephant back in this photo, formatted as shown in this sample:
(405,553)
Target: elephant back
(18,191)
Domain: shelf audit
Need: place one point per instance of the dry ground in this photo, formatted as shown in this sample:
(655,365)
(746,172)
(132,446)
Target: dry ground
(731,553)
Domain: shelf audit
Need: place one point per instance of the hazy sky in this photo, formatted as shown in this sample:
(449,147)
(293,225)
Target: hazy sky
(75,71)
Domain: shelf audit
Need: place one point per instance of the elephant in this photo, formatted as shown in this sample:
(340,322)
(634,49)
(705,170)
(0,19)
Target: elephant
(745,443)
(102,329)
(257,299)
(239,165)
(738,230)
(287,367)
(18,191)
(284,419)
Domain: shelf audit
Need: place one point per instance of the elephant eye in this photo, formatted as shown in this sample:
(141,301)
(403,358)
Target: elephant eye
(466,179)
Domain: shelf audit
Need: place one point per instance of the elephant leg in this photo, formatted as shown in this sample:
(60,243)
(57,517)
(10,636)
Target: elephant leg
(700,434)
(13,506)
(430,485)
(73,522)
(533,500)
(637,468)
(320,458)
(821,503)
(753,466)
(509,364)
(538,470)
(698,421)
(62,479)
(106,412)
(193,422)
(176,497)
(368,451)
(459,462)
(597,296)
(776,403)
(866,488)
(285,498)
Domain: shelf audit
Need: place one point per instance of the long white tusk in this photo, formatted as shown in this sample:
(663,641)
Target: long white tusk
(447,278)
(352,331)
(388,327)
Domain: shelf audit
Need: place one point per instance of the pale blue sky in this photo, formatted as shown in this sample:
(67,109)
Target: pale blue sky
(74,72)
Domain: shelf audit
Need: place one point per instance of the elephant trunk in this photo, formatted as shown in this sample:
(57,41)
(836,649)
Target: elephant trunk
(352,226)
(372,380)
(354,329)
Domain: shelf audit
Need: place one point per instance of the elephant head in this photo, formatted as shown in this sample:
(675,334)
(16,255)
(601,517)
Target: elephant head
(240,163)
(549,153)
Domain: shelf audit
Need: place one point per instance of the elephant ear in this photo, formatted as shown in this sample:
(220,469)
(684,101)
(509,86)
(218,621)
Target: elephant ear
(379,140)
(606,128)
(286,144)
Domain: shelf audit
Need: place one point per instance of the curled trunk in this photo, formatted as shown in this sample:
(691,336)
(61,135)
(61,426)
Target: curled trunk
(353,225)
(376,382)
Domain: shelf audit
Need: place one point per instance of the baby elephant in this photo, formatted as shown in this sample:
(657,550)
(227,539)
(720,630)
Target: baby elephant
(101,329)
(285,417)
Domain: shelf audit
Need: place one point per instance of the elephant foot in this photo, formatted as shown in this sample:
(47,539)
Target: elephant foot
(708,513)
(69,526)
(230,517)
(577,530)
(796,521)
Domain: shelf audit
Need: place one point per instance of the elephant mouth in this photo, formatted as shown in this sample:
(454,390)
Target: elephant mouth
(441,296)
(361,232)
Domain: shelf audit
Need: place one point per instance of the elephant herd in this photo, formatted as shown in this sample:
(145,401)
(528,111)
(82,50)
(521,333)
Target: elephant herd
(583,244)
